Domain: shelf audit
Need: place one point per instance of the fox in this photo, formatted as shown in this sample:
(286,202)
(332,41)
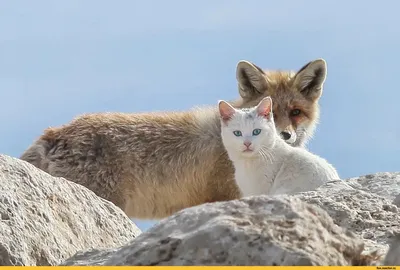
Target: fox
(154,164)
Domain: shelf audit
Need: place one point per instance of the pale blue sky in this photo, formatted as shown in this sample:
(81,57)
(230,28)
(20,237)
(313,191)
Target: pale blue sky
(59,59)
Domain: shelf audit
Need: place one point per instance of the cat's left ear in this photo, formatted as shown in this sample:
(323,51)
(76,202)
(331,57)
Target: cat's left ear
(226,111)
(264,108)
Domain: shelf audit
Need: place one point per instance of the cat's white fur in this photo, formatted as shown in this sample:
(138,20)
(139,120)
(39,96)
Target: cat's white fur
(268,165)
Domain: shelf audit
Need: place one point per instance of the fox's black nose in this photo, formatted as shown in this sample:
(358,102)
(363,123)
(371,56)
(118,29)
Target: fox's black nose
(286,135)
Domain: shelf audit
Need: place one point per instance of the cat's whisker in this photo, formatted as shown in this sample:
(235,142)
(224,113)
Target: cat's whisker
(262,154)
(270,155)
(266,155)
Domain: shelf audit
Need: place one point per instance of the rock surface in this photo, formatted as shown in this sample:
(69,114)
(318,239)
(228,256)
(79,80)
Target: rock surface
(383,184)
(393,256)
(396,201)
(259,230)
(256,230)
(44,219)
(368,214)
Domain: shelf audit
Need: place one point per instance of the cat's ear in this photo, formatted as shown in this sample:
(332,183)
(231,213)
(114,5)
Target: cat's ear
(309,80)
(226,111)
(251,79)
(264,108)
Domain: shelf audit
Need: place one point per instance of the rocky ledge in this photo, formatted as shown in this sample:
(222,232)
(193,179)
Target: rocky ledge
(47,220)
(44,219)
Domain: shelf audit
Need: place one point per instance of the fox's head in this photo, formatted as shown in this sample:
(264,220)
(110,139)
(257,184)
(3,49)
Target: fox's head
(295,96)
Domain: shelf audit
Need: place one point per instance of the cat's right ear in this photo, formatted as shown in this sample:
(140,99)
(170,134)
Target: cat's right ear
(264,108)
(226,111)
(251,79)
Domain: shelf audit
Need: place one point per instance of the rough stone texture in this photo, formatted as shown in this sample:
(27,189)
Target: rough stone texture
(384,184)
(44,219)
(396,201)
(371,216)
(393,256)
(259,230)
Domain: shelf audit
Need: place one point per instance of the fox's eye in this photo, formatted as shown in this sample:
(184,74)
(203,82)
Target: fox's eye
(295,112)
(237,133)
(256,131)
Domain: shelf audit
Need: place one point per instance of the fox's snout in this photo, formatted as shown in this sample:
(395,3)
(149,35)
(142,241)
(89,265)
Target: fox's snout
(288,135)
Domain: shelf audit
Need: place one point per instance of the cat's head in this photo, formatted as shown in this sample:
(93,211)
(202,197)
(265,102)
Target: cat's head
(247,131)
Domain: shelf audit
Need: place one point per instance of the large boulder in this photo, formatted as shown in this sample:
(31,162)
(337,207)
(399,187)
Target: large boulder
(260,230)
(255,230)
(396,201)
(44,219)
(385,184)
(392,257)
(371,215)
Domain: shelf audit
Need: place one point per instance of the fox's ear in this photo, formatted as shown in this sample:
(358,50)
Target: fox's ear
(226,111)
(309,80)
(264,108)
(250,78)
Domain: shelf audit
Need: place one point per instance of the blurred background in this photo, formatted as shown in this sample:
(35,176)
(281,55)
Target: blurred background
(59,59)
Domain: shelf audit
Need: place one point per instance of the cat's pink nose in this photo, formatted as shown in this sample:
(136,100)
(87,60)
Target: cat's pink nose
(247,144)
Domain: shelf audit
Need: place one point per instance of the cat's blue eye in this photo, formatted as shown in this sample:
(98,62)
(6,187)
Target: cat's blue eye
(256,131)
(237,133)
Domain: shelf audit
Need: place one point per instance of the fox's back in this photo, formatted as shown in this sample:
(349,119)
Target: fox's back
(126,140)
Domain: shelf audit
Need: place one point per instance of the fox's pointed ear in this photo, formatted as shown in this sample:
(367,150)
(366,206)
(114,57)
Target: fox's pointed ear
(264,108)
(250,78)
(309,80)
(226,111)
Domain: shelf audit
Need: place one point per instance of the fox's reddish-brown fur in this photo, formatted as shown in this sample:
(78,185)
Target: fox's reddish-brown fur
(154,164)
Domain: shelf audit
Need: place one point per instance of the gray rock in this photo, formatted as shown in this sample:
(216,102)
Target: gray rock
(44,219)
(259,230)
(396,201)
(369,215)
(385,184)
(393,256)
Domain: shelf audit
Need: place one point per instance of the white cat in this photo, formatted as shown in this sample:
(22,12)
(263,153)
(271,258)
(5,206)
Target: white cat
(264,163)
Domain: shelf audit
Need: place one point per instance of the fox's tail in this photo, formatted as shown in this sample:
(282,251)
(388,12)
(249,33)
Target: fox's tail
(36,154)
